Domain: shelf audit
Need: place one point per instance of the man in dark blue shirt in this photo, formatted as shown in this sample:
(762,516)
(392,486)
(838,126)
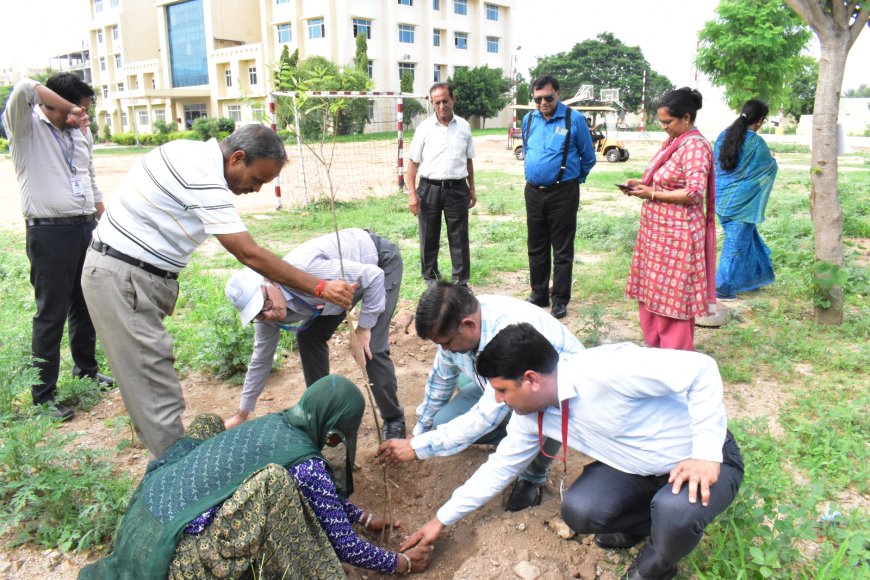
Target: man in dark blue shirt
(559,156)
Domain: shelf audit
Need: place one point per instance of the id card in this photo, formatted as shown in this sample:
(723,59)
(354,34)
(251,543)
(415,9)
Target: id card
(75,184)
(561,131)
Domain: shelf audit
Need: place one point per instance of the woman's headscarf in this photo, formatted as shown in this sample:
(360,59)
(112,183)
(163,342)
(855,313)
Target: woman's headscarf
(331,405)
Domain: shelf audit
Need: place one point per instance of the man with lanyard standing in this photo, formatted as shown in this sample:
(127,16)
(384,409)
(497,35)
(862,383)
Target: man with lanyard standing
(653,421)
(366,259)
(559,156)
(52,151)
(442,153)
(169,203)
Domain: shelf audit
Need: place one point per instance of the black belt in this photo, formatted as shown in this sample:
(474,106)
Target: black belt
(445,183)
(61,221)
(552,186)
(110,251)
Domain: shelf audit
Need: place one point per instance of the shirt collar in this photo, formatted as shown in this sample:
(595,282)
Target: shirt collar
(565,384)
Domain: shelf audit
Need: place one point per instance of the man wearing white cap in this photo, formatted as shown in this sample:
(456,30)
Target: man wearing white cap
(375,265)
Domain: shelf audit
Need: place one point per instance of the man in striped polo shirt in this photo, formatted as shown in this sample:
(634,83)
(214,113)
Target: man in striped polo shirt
(367,259)
(165,207)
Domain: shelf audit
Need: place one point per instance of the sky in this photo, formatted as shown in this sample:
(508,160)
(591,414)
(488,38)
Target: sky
(665,30)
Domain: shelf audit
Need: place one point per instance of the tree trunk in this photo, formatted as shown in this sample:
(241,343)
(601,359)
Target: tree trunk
(825,209)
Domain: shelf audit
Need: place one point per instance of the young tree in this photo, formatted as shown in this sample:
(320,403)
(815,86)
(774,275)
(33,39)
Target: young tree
(410,107)
(751,49)
(837,23)
(361,58)
(862,92)
(605,63)
(481,91)
(800,89)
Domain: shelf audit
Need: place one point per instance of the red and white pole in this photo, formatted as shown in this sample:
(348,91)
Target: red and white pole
(400,114)
(273,111)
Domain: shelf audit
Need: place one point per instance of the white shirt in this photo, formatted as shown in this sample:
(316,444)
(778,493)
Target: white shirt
(442,152)
(41,154)
(169,203)
(638,410)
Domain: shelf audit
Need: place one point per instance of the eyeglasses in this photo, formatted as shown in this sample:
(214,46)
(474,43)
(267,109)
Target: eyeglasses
(546,98)
(267,305)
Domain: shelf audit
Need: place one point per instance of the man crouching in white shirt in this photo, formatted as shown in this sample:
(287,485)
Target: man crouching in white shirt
(653,419)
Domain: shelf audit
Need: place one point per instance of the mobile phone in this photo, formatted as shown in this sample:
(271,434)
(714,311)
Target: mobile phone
(623,187)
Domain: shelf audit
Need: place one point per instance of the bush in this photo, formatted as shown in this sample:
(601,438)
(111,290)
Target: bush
(124,139)
(107,134)
(4,145)
(205,128)
(189,135)
(164,128)
(226,125)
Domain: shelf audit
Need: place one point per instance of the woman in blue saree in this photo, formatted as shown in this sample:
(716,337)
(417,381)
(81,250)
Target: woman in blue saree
(745,171)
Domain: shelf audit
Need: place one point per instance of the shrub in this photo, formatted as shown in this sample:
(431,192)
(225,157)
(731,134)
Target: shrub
(164,128)
(4,145)
(107,134)
(226,125)
(124,139)
(205,128)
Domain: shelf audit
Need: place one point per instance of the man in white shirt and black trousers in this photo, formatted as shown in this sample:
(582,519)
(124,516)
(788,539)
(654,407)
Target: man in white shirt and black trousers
(652,419)
(442,153)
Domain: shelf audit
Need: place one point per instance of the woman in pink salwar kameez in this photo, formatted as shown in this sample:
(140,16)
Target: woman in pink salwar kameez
(674,263)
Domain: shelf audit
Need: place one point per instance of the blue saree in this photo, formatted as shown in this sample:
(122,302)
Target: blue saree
(741,199)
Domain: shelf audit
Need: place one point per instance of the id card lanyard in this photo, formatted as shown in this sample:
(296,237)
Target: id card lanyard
(74,180)
(564,458)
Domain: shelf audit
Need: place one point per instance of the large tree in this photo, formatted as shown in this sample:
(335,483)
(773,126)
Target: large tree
(605,63)
(837,23)
(800,88)
(480,92)
(751,49)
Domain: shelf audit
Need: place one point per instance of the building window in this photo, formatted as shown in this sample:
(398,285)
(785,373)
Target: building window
(114,3)
(460,40)
(228,75)
(123,119)
(362,25)
(406,2)
(406,33)
(143,117)
(436,74)
(281,1)
(153,83)
(258,113)
(436,4)
(492,12)
(98,5)
(186,38)
(234,112)
(115,33)
(108,121)
(436,37)
(492,44)
(136,83)
(284,34)
(460,7)
(105,91)
(406,68)
(316,28)
(121,87)
(118,60)
(100,36)
(252,75)
(102,63)
(370,69)
(160,115)
(193,112)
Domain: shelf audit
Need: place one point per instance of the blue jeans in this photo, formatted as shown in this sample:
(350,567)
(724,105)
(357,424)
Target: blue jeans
(604,500)
(469,393)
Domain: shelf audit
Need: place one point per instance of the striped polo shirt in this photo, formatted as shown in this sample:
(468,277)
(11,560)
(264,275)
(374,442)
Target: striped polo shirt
(169,203)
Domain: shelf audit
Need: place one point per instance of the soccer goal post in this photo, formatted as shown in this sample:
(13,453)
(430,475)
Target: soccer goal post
(349,144)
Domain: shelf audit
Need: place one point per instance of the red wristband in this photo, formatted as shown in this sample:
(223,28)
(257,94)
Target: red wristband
(318,290)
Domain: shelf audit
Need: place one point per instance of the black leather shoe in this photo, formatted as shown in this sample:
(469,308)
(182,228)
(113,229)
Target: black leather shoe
(524,495)
(104,381)
(538,302)
(60,412)
(633,574)
(617,540)
(393,429)
(559,311)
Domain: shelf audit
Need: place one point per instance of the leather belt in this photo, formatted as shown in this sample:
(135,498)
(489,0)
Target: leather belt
(61,221)
(112,252)
(445,183)
(552,186)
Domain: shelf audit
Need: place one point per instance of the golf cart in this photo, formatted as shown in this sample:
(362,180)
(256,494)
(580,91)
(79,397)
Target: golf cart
(600,116)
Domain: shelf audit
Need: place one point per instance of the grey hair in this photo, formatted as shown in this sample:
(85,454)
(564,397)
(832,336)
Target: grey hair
(257,142)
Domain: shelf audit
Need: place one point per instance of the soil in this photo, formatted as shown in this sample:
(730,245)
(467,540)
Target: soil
(491,543)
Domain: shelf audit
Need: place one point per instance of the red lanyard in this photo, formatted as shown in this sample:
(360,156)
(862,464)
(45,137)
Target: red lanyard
(564,458)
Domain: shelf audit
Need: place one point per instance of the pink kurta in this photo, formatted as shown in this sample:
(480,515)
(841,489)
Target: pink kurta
(668,272)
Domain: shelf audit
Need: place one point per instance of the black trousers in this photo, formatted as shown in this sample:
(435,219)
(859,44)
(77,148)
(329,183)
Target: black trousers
(314,350)
(57,254)
(453,202)
(551,219)
(605,500)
